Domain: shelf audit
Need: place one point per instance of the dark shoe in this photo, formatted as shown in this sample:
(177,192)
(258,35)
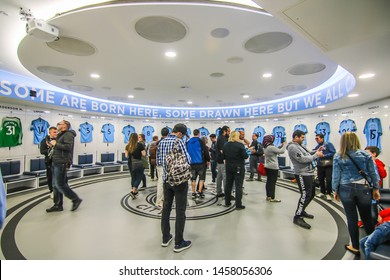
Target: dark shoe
(182,246)
(307,215)
(232,197)
(228,204)
(193,195)
(258,179)
(352,250)
(221,195)
(55,209)
(249,179)
(201,195)
(299,221)
(76,204)
(240,207)
(166,243)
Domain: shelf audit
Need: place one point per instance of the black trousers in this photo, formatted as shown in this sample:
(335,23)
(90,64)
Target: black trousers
(234,174)
(325,178)
(306,188)
(179,194)
(272,177)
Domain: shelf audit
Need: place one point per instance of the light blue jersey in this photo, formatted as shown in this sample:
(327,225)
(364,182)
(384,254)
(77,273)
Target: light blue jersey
(203,131)
(148,132)
(347,125)
(260,131)
(373,132)
(86,132)
(301,127)
(217,131)
(108,133)
(39,126)
(279,132)
(127,131)
(324,129)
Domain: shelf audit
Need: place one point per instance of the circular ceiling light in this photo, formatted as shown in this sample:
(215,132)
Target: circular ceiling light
(306,69)
(56,71)
(72,46)
(268,42)
(160,29)
(220,32)
(217,75)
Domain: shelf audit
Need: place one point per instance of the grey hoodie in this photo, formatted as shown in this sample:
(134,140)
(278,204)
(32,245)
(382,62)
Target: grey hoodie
(301,159)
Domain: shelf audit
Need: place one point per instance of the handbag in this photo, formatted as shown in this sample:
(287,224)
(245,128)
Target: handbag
(261,169)
(364,175)
(325,162)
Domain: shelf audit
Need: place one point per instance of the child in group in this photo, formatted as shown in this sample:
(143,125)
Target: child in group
(374,151)
(380,235)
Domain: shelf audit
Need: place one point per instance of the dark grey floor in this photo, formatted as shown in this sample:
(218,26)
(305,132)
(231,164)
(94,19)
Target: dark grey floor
(110,226)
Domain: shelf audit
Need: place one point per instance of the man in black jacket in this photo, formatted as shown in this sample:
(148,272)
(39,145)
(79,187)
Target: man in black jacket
(47,149)
(221,174)
(257,152)
(61,161)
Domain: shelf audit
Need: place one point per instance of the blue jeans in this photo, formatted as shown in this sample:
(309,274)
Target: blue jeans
(356,197)
(380,235)
(179,193)
(60,185)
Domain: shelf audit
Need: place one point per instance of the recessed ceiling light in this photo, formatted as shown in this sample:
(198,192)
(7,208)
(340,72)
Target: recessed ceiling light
(353,95)
(286,113)
(130,96)
(366,76)
(321,107)
(325,115)
(189,102)
(251,117)
(120,115)
(267,75)
(83,110)
(47,112)
(170,54)
(246,96)
(374,113)
(386,106)
(95,76)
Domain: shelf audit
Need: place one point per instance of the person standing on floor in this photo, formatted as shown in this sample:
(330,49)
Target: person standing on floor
(142,140)
(354,172)
(134,151)
(174,192)
(272,165)
(160,181)
(303,164)
(221,174)
(46,149)
(325,167)
(61,161)
(256,152)
(213,157)
(199,159)
(151,149)
(234,154)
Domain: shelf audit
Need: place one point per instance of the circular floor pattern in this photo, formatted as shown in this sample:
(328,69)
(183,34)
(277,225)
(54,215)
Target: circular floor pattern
(101,229)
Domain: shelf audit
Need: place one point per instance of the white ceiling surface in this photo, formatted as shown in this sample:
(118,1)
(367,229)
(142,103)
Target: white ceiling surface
(352,33)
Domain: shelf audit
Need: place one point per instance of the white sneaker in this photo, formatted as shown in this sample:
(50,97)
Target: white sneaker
(328,197)
(320,195)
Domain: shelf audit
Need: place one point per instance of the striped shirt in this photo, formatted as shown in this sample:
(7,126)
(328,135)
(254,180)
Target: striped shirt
(165,146)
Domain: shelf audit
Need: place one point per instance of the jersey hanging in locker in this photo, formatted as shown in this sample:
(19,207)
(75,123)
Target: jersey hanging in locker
(11,132)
